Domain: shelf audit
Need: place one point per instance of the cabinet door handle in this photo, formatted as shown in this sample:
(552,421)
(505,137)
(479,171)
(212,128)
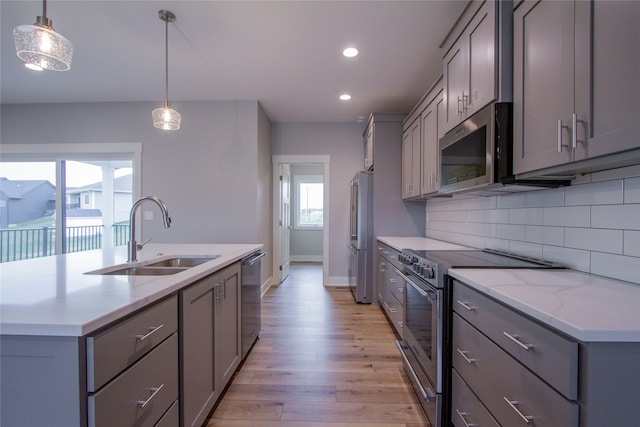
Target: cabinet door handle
(465,102)
(560,127)
(401,290)
(153,330)
(459,109)
(516,339)
(143,403)
(462,416)
(514,405)
(466,305)
(465,357)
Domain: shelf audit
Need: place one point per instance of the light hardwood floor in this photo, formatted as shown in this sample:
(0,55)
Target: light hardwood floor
(321,361)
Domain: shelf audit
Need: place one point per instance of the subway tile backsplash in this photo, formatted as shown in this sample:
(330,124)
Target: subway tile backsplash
(591,226)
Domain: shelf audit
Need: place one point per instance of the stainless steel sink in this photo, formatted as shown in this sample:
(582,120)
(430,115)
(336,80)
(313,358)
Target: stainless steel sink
(183,262)
(145,271)
(158,267)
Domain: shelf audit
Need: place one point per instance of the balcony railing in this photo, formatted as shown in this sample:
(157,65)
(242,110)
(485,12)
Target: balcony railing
(24,243)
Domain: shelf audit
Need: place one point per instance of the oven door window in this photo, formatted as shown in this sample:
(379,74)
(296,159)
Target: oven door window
(421,311)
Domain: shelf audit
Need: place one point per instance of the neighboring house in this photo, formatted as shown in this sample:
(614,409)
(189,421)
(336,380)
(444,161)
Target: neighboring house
(90,197)
(25,200)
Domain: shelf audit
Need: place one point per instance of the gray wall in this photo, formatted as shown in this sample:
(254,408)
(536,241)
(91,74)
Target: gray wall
(306,244)
(214,173)
(344,144)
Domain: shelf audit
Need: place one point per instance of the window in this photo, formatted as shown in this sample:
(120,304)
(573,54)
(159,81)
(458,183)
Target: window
(61,198)
(309,193)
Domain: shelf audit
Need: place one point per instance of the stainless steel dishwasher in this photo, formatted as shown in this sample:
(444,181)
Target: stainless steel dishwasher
(250,295)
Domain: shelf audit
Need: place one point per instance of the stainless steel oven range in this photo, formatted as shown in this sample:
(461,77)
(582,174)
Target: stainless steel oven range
(426,349)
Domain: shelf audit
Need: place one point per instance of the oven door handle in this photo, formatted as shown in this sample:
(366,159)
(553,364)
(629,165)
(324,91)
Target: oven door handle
(430,295)
(427,394)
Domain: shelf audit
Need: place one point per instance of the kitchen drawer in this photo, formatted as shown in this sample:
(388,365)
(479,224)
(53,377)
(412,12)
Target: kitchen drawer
(389,254)
(548,354)
(497,379)
(396,286)
(115,348)
(466,409)
(153,379)
(396,314)
(171,418)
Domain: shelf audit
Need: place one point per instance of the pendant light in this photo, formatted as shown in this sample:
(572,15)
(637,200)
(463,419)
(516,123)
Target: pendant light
(166,118)
(40,47)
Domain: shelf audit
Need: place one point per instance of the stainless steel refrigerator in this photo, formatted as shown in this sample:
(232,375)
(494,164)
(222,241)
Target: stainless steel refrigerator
(361,237)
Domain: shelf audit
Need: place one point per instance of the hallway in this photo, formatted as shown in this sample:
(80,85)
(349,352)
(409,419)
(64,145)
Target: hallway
(321,361)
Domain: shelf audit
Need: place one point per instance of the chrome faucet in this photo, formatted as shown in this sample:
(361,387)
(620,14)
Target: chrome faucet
(132,246)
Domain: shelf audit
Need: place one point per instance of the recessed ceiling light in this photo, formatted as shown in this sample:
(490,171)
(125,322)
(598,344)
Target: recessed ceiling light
(345,97)
(350,52)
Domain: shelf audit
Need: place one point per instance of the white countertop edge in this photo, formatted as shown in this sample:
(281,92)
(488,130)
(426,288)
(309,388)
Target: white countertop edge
(575,331)
(170,284)
(420,243)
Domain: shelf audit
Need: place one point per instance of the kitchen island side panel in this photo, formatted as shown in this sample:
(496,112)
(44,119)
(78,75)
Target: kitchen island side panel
(42,381)
(609,383)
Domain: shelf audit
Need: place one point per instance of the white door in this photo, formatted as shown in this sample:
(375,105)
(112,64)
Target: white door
(285,219)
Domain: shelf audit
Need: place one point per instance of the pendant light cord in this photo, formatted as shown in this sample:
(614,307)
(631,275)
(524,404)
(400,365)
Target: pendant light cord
(166,62)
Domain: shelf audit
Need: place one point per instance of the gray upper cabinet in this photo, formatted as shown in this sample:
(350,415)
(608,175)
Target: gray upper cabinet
(429,146)
(411,160)
(575,89)
(470,64)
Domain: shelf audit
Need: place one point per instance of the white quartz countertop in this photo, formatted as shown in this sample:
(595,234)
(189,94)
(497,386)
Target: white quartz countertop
(420,243)
(586,307)
(53,295)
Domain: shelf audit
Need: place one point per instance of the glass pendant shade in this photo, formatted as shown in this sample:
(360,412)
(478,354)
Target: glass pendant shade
(166,118)
(40,47)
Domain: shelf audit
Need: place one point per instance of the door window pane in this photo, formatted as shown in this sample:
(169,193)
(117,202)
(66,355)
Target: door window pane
(310,193)
(96,197)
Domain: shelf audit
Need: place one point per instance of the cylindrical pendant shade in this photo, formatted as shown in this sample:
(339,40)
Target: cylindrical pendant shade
(40,46)
(166,118)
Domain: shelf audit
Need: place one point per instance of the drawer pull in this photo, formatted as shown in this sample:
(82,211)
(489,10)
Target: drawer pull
(465,357)
(466,305)
(516,339)
(153,330)
(143,403)
(462,416)
(514,405)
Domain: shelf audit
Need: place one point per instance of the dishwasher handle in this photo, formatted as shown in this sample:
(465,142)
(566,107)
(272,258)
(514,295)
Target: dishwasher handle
(253,260)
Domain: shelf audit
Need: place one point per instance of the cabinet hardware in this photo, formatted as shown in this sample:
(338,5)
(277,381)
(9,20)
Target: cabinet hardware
(560,127)
(466,305)
(153,330)
(464,353)
(574,123)
(143,403)
(514,405)
(516,339)
(462,416)
(465,102)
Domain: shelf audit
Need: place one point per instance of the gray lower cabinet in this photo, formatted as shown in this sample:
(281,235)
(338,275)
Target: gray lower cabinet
(210,341)
(511,370)
(391,286)
(124,374)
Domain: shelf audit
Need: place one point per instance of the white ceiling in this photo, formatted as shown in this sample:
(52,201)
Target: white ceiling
(286,54)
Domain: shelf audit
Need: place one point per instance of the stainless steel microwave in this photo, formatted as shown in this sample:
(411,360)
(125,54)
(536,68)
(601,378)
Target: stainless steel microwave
(477,155)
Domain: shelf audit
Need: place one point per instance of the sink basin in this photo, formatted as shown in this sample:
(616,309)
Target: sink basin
(182,262)
(145,271)
(158,267)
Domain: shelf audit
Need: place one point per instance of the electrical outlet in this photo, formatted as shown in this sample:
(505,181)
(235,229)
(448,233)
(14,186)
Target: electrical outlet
(148,215)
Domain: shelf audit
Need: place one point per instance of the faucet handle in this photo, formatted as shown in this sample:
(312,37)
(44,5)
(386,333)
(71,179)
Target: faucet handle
(140,245)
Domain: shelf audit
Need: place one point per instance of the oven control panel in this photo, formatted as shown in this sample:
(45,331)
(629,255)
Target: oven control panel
(418,265)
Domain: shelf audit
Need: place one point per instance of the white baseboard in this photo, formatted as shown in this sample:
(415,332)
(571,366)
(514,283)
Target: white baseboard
(338,282)
(305,258)
(265,286)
